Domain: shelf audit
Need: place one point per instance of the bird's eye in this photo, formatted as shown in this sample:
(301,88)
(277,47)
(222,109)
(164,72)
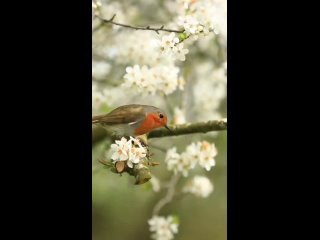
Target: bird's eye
(161,115)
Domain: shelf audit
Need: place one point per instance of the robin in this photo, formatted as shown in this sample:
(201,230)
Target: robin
(132,120)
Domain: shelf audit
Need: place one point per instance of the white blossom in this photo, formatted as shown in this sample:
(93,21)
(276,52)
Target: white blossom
(168,42)
(200,186)
(209,90)
(185,3)
(189,23)
(172,159)
(180,52)
(201,17)
(155,183)
(192,153)
(184,165)
(163,228)
(179,116)
(136,152)
(167,78)
(140,47)
(96,5)
(130,151)
(136,75)
(178,162)
(197,153)
(149,80)
(121,150)
(206,156)
(100,69)
(170,47)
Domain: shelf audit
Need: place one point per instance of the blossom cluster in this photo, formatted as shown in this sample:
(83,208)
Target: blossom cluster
(100,70)
(200,186)
(199,153)
(160,78)
(195,18)
(202,16)
(131,151)
(139,47)
(152,71)
(208,91)
(179,116)
(170,45)
(96,5)
(164,228)
(155,183)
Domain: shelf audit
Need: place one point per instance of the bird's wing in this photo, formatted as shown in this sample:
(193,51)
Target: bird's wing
(129,114)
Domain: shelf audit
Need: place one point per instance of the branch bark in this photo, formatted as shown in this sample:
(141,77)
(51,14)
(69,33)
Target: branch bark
(110,21)
(189,128)
(99,133)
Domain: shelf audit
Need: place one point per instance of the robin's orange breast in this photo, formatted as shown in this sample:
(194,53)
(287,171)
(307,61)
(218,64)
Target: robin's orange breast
(147,125)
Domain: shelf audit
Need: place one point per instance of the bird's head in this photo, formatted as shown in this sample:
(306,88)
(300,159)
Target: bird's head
(155,118)
(159,117)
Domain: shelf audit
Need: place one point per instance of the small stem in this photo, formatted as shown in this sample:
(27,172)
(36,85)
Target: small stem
(110,21)
(97,27)
(169,196)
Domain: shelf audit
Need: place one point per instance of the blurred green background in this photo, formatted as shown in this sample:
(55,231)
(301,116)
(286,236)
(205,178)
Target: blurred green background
(120,210)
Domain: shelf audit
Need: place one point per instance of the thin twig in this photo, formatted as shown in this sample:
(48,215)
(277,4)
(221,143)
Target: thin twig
(169,196)
(97,27)
(148,28)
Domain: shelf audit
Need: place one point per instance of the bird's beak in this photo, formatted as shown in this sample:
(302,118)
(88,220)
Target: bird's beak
(167,128)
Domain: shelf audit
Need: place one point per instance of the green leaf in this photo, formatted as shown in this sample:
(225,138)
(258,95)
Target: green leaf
(182,37)
(106,164)
(175,219)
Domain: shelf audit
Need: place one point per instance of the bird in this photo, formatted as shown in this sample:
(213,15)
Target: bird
(132,120)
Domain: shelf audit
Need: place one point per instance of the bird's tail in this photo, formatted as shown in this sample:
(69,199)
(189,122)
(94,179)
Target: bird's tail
(96,119)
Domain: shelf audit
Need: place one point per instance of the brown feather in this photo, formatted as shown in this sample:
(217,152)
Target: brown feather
(126,119)
(124,115)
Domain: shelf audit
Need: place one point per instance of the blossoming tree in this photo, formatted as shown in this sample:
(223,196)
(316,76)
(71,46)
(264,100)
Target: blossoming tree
(177,61)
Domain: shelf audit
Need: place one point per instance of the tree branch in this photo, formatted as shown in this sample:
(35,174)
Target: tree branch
(99,133)
(188,128)
(169,196)
(110,21)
